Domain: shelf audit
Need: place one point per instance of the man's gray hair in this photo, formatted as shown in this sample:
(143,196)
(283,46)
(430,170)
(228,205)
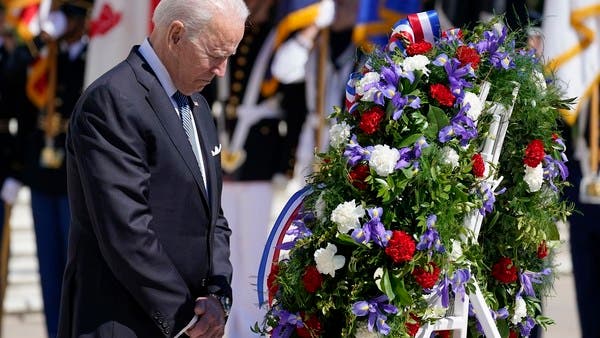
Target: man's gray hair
(196,14)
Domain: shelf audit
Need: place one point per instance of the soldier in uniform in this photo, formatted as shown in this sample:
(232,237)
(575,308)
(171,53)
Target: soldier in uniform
(257,139)
(45,171)
(297,61)
(16,112)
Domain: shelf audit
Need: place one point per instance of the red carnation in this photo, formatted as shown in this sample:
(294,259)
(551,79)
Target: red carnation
(427,278)
(358,174)
(312,279)
(534,154)
(412,326)
(417,48)
(401,247)
(468,55)
(370,120)
(478,165)
(542,250)
(505,271)
(271,282)
(442,94)
(513,334)
(312,327)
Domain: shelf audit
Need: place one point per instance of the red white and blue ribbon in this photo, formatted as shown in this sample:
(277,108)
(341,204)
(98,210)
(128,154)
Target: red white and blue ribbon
(351,103)
(423,26)
(271,251)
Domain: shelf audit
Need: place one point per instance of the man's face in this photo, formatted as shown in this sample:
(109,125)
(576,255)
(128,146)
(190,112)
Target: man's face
(198,59)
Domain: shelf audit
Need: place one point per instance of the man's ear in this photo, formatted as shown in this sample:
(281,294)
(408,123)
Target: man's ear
(176,31)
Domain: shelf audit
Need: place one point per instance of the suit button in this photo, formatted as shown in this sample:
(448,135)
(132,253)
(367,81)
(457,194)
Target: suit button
(167,331)
(160,321)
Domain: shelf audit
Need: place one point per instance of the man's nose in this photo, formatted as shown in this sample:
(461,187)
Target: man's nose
(219,70)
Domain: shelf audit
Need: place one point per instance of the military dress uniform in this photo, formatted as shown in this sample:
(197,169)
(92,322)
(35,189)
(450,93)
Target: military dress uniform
(14,107)
(45,174)
(257,142)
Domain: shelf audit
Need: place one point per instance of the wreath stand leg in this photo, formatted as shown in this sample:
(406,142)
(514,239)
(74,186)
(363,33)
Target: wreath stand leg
(458,321)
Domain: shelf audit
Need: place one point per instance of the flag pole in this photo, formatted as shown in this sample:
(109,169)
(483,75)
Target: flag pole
(321,86)
(4,255)
(594,125)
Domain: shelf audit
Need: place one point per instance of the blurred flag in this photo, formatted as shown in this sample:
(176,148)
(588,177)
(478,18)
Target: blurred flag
(572,46)
(293,15)
(115,27)
(29,17)
(376,17)
(23,16)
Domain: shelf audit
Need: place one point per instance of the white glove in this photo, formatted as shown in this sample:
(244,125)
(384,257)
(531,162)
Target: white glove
(289,62)
(326,14)
(10,190)
(55,25)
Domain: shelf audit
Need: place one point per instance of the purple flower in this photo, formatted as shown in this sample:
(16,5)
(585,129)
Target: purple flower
(355,153)
(441,60)
(288,322)
(502,60)
(459,280)
(489,198)
(399,102)
(405,158)
(528,278)
(431,238)
(552,169)
(461,127)
(502,313)
(377,310)
(419,145)
(526,326)
(297,231)
(373,230)
(456,76)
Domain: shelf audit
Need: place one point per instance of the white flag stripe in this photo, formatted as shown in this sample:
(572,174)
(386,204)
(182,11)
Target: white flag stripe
(108,49)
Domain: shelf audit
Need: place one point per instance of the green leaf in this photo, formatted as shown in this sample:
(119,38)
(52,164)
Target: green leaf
(386,284)
(409,140)
(552,232)
(403,297)
(437,120)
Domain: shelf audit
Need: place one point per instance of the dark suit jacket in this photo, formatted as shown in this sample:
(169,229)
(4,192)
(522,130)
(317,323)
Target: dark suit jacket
(145,240)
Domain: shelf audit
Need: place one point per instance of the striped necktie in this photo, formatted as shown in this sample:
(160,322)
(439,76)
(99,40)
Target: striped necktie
(185,113)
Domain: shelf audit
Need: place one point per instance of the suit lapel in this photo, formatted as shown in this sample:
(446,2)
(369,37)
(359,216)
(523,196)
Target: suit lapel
(163,108)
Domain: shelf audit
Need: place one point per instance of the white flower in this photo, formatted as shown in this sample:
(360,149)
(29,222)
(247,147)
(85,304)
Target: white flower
(377,276)
(327,261)
(520,311)
(534,177)
(456,251)
(339,134)
(475,105)
(450,157)
(368,81)
(362,331)
(417,62)
(383,159)
(346,215)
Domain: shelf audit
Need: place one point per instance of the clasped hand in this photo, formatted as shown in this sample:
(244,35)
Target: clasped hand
(211,319)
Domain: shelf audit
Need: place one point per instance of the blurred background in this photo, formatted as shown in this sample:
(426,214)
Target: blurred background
(50,50)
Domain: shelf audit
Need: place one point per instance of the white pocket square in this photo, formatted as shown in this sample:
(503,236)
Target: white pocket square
(216,151)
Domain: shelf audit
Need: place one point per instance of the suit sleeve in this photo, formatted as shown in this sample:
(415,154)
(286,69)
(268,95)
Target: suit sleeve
(110,151)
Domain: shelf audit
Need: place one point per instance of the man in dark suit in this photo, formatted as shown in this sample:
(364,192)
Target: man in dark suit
(149,244)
